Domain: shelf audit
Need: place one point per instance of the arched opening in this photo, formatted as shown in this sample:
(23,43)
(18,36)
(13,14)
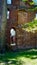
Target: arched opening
(12,37)
(8,13)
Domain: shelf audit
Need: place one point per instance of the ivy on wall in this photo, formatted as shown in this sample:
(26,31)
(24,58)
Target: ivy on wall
(24,0)
(30,2)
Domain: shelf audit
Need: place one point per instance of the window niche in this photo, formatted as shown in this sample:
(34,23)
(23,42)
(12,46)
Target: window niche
(8,13)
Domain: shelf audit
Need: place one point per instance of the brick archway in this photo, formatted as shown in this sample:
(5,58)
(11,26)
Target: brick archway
(9,41)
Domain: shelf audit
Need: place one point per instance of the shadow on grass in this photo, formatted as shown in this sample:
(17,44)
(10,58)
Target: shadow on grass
(13,62)
(12,57)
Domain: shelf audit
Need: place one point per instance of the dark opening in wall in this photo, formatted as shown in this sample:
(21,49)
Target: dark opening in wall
(8,13)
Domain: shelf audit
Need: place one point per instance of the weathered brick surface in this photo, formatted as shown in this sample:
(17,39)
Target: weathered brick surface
(16,3)
(26,40)
(24,17)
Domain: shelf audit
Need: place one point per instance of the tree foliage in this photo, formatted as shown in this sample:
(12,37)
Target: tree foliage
(30,2)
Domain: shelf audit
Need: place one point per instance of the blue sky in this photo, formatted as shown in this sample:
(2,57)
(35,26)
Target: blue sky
(35,1)
(36,15)
(9,1)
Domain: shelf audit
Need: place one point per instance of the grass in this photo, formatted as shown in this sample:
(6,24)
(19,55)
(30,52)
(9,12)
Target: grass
(27,57)
(30,27)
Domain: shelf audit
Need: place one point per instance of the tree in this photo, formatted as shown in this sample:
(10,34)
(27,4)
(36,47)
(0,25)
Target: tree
(3,23)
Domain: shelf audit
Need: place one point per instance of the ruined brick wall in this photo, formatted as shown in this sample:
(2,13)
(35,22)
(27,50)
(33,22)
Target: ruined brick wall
(16,3)
(31,16)
(26,40)
(12,22)
(13,17)
(24,17)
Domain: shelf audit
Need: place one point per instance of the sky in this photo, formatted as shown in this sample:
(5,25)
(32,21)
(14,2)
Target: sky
(35,1)
(36,16)
(9,1)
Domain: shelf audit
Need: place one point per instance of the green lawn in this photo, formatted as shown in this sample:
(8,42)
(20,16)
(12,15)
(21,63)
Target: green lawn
(27,57)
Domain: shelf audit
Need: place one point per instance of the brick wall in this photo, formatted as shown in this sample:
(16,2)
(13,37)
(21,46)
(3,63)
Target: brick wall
(13,17)
(24,17)
(26,40)
(16,3)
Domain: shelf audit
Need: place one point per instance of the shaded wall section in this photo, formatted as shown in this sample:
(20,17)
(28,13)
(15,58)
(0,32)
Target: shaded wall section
(26,40)
(25,17)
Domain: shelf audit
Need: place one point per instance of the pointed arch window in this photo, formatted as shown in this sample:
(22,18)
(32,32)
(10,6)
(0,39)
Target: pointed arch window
(8,13)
